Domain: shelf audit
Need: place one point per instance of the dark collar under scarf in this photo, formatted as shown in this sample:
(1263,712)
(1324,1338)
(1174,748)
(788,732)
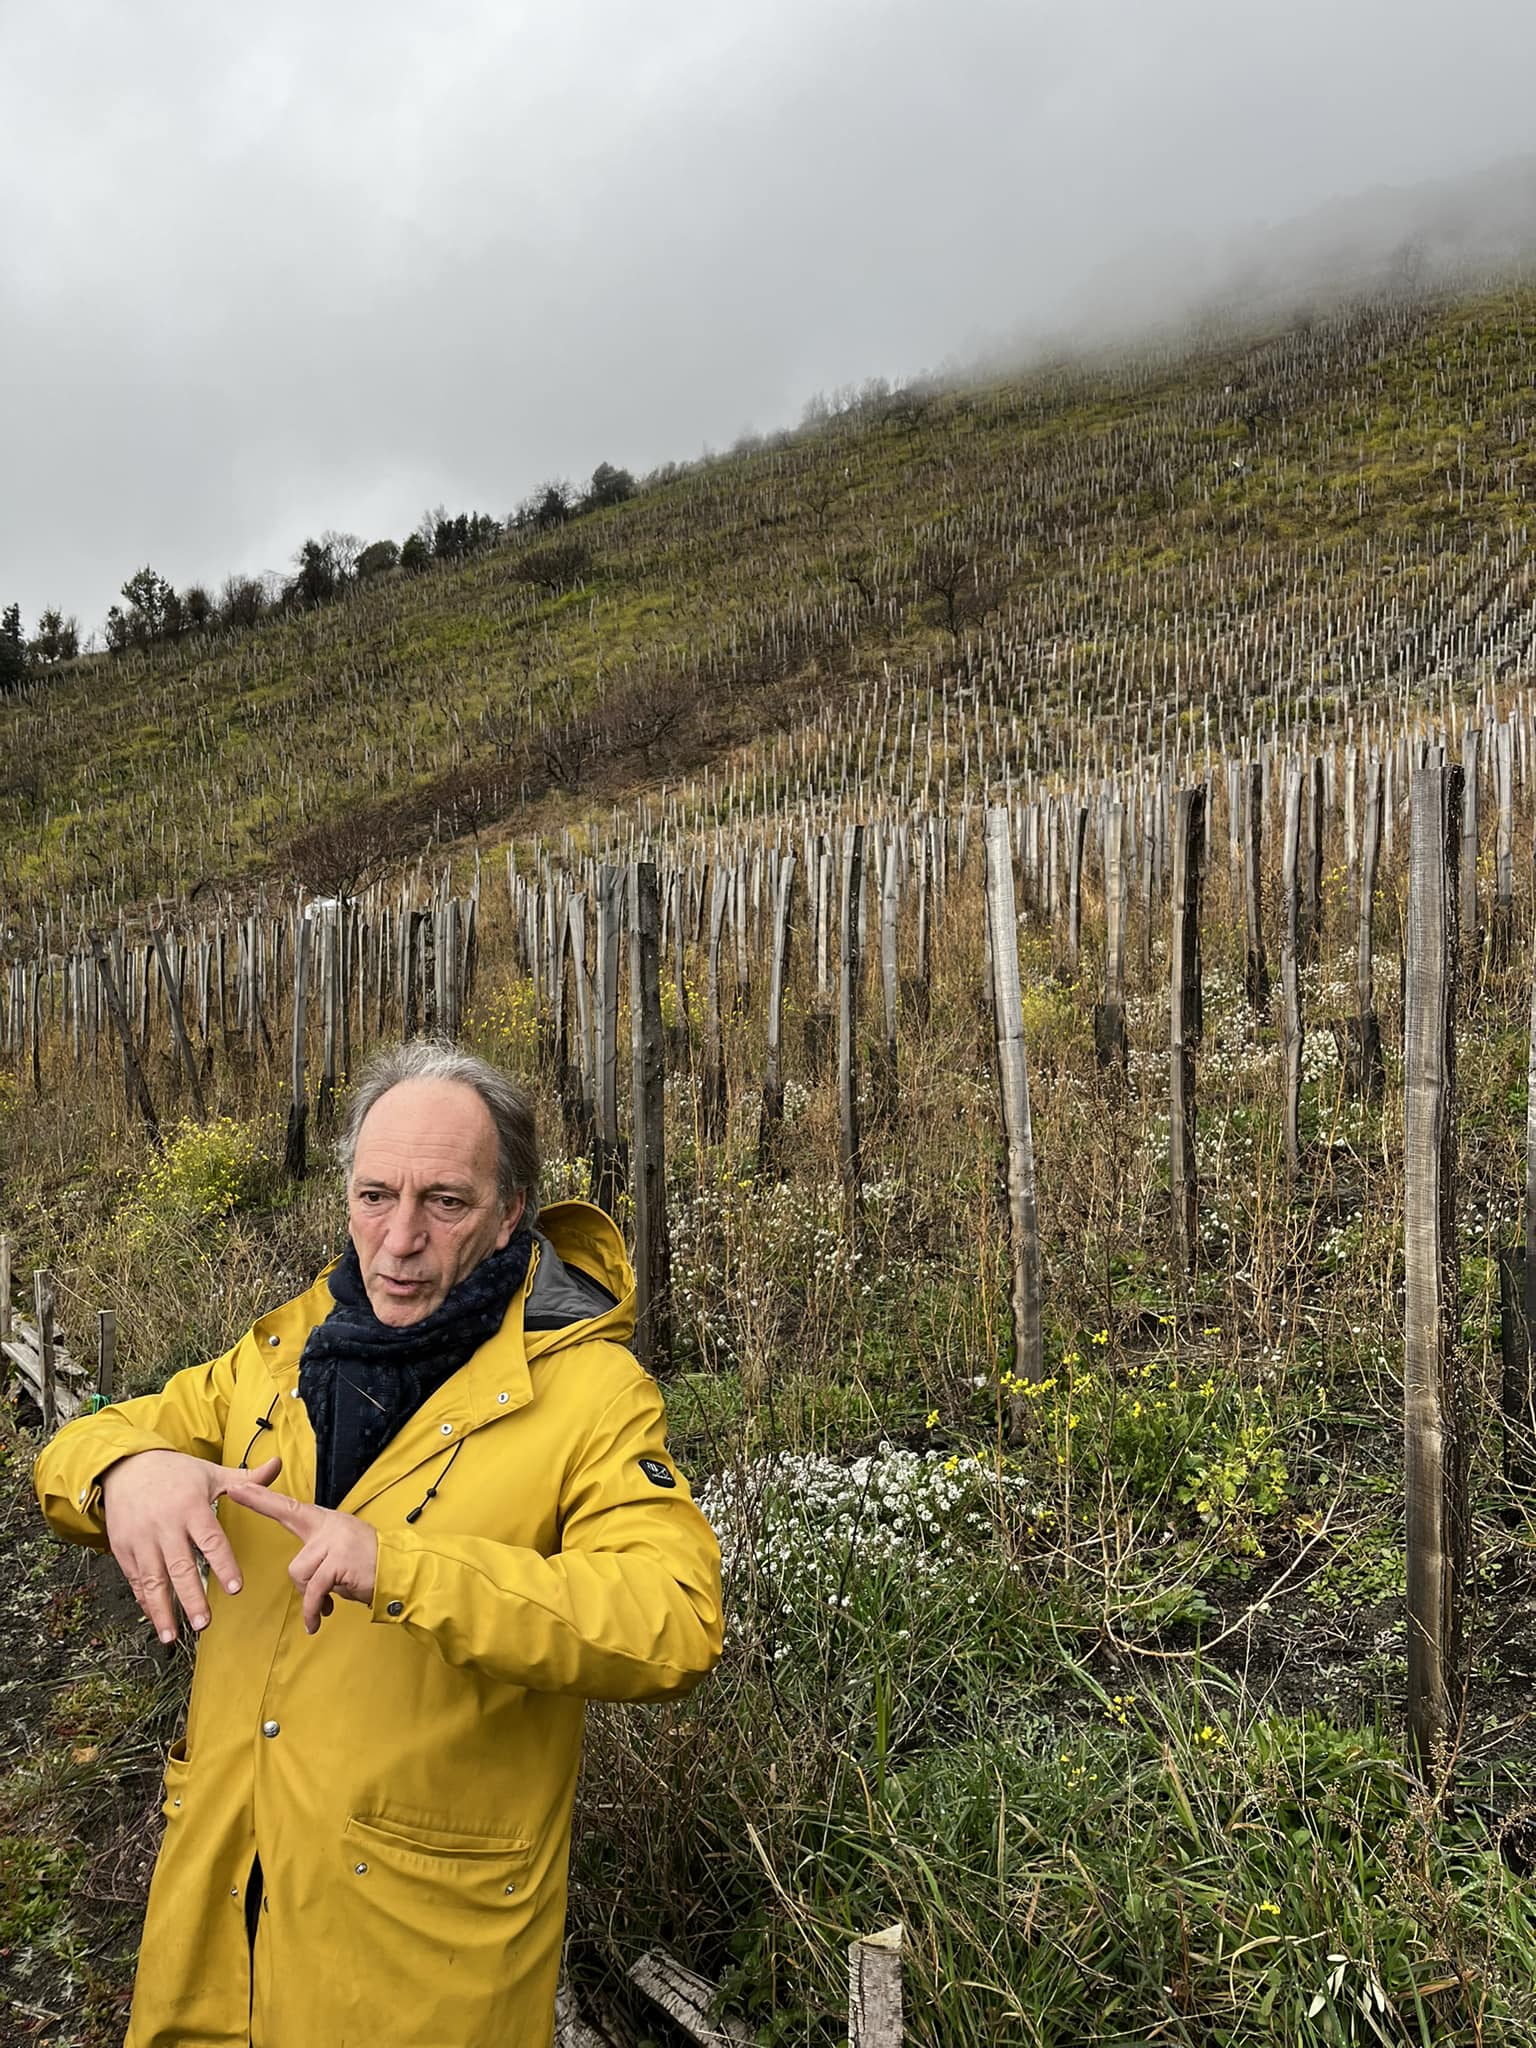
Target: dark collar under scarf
(362,1380)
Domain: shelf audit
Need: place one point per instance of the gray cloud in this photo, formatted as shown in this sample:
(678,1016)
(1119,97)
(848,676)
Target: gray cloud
(269,270)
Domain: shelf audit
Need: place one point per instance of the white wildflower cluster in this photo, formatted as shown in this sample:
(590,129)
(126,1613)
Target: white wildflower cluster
(812,1526)
(797,1099)
(1319,1055)
(743,1254)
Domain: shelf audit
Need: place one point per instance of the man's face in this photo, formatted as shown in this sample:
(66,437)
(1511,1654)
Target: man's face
(422,1199)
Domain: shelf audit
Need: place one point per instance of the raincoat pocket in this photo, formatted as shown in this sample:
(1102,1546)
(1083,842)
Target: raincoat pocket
(433,1931)
(410,1842)
(177,1768)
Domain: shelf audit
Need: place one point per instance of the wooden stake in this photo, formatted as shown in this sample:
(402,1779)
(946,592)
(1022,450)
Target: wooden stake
(1290,977)
(136,1086)
(1184,1006)
(43,1304)
(106,1355)
(296,1149)
(169,978)
(1434,1437)
(772,1119)
(850,974)
(1013,1091)
(653,1251)
(875,2018)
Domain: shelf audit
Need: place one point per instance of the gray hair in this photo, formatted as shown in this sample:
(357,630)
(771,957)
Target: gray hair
(434,1059)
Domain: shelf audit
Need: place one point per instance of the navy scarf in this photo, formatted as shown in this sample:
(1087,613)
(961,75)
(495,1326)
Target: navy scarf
(362,1380)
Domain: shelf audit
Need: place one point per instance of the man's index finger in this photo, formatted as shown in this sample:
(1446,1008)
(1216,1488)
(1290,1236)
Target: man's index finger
(261,1500)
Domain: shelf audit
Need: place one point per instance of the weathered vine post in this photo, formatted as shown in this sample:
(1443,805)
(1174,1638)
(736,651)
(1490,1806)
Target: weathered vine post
(1290,977)
(296,1148)
(1370,1077)
(890,990)
(170,980)
(1109,1042)
(712,1082)
(850,974)
(771,1123)
(106,1356)
(1503,926)
(609,1167)
(135,1086)
(1311,938)
(1253,853)
(1075,886)
(653,1250)
(1018,1134)
(1517,1315)
(1185,1018)
(1470,934)
(1435,1437)
(875,2017)
(43,1307)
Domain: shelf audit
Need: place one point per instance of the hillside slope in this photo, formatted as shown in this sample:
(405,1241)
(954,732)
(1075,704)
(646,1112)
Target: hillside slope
(1340,507)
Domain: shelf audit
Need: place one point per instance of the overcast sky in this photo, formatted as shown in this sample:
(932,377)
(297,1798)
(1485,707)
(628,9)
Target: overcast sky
(267,269)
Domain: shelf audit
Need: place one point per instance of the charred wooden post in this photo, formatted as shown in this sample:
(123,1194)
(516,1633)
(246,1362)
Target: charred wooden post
(1435,1435)
(1076,843)
(1311,934)
(1185,1019)
(1253,893)
(771,1126)
(5,1290)
(653,1252)
(1018,1132)
(134,1083)
(1109,1040)
(169,979)
(850,975)
(1364,1072)
(1290,969)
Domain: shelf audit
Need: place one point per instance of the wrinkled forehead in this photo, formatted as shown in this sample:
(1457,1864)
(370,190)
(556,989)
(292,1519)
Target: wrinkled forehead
(435,1125)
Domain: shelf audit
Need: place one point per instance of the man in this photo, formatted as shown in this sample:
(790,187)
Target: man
(368,1819)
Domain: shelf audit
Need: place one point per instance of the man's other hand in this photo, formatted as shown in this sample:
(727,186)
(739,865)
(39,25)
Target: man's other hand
(339,1554)
(159,1513)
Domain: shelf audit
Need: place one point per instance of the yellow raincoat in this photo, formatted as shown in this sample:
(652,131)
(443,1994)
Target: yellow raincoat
(406,1775)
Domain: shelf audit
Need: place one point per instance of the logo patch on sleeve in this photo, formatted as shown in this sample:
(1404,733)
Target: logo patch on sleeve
(657,1473)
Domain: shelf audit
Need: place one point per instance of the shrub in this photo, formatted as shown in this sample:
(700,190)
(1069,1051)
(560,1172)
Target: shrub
(202,1175)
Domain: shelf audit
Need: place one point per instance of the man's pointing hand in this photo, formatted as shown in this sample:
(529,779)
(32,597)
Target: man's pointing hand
(339,1553)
